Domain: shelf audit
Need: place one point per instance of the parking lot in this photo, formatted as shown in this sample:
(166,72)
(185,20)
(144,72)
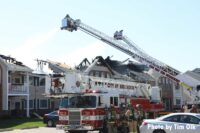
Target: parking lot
(40,130)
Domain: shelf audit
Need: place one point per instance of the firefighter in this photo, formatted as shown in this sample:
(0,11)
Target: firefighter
(140,116)
(185,109)
(130,114)
(112,128)
(193,109)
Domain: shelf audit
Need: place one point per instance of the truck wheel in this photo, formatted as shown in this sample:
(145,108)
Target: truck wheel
(50,123)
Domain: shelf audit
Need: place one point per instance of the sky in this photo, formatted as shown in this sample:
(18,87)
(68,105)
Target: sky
(166,30)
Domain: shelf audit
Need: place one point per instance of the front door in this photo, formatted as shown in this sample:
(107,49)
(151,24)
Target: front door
(17,105)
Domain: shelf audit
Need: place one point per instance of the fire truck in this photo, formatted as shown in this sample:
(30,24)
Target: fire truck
(86,100)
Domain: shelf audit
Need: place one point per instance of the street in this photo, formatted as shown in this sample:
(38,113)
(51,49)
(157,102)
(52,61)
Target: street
(41,130)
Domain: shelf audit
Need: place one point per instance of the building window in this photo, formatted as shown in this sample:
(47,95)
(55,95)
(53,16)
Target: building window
(111,100)
(178,102)
(17,80)
(198,87)
(42,81)
(31,104)
(114,101)
(31,81)
(43,104)
(96,74)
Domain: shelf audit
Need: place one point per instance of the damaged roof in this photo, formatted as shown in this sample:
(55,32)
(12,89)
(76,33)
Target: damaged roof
(58,67)
(14,65)
(119,69)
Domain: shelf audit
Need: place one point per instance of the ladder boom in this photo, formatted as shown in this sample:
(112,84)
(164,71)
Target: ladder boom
(70,24)
(128,47)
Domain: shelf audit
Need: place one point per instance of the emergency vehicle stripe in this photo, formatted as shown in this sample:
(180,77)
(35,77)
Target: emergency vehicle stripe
(84,117)
(92,117)
(63,117)
(98,111)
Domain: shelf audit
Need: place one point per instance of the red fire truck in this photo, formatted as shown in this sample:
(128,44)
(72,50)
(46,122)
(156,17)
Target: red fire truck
(89,110)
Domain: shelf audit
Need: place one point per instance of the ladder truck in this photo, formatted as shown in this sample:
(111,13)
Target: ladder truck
(87,101)
(131,49)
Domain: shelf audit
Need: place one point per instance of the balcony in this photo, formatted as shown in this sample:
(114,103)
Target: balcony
(18,89)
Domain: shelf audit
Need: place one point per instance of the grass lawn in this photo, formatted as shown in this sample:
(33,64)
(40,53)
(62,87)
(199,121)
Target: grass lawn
(21,123)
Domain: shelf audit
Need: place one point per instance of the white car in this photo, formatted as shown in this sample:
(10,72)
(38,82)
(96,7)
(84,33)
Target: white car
(172,123)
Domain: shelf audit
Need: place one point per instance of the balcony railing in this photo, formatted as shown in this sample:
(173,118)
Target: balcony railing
(18,88)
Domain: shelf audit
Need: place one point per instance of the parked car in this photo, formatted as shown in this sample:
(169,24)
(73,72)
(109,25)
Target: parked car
(51,118)
(172,123)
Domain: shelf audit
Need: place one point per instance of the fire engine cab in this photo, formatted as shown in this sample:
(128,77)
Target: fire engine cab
(87,110)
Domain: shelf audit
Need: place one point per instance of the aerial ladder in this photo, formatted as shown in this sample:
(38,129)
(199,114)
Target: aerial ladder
(131,49)
(118,35)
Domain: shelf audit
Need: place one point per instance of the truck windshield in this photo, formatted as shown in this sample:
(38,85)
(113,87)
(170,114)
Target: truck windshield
(82,102)
(64,102)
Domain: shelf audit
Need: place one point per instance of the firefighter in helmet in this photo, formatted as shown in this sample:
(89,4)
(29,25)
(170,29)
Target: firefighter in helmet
(130,114)
(140,116)
(112,120)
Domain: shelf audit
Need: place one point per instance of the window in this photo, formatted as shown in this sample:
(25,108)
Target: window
(17,80)
(198,87)
(114,101)
(64,103)
(43,104)
(189,119)
(42,81)
(31,81)
(31,104)
(194,120)
(111,100)
(175,118)
(82,102)
(96,74)
(178,101)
